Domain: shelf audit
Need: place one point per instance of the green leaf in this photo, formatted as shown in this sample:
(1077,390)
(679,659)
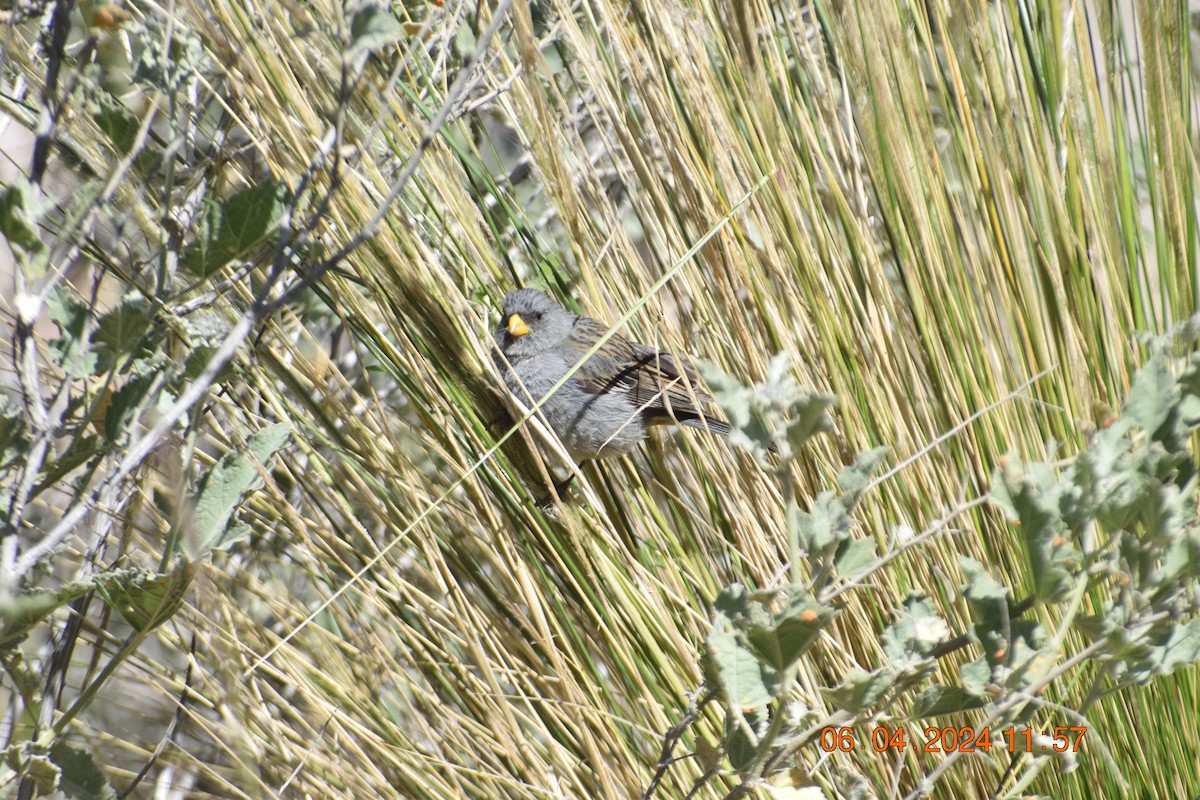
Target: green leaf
(743,732)
(1005,639)
(735,604)
(85,449)
(1181,558)
(823,529)
(119,125)
(222,488)
(999,491)
(1125,640)
(121,332)
(909,640)
(854,557)
(937,701)
(855,478)
(267,442)
(71,350)
(124,403)
(1189,402)
(1180,647)
(19,217)
(810,416)
(1035,497)
(81,777)
(234,532)
(735,399)
(980,586)
(145,600)
(783,638)
(1124,495)
(20,614)
(233,227)
(1152,395)
(824,532)
(746,681)
(860,690)
(1077,502)
(976,676)
(13,444)
(1018,647)
(31,762)
(775,414)
(372,27)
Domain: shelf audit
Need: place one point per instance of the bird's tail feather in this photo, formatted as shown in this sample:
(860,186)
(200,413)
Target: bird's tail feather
(707,423)
(716,426)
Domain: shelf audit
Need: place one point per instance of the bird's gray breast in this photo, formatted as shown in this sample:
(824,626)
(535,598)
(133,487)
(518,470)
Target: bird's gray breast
(591,425)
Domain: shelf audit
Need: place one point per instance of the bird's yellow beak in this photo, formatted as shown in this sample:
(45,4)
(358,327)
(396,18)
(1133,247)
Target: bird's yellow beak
(516,325)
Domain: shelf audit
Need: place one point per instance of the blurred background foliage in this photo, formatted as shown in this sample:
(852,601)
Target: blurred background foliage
(935,202)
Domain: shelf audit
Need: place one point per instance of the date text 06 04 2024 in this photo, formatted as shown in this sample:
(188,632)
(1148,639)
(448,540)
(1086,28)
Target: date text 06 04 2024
(960,740)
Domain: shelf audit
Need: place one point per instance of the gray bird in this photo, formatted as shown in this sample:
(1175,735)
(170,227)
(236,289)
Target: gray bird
(610,402)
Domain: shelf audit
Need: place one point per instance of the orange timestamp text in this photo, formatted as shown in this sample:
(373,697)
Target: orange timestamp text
(958,740)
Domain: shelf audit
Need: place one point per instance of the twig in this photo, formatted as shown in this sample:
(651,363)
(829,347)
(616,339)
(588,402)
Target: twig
(671,739)
(54,48)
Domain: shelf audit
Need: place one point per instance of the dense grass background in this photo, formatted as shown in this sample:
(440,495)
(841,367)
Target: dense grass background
(957,196)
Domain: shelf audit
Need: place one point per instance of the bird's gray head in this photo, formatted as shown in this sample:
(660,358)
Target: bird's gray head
(531,324)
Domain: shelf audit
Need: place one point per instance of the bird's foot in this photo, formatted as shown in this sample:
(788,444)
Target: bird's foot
(560,489)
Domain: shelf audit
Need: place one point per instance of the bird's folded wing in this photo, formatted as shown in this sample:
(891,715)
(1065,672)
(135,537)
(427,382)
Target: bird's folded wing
(654,380)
